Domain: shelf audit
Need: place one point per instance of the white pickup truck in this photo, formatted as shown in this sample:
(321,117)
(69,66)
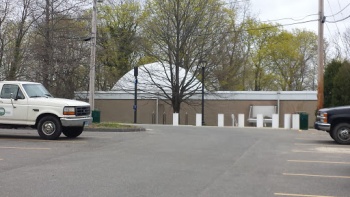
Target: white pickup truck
(29,104)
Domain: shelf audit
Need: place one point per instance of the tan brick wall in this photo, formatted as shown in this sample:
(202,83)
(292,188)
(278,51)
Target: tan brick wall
(122,110)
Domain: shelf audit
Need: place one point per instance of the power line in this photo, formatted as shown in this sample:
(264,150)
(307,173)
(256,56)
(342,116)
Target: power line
(297,23)
(340,10)
(291,18)
(260,28)
(336,25)
(343,19)
(342,14)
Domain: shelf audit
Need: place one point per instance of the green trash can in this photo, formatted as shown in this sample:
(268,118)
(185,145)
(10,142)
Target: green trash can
(96,116)
(303,120)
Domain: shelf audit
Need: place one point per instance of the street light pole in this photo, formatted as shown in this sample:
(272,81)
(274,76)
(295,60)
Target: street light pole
(203,68)
(135,96)
(93,57)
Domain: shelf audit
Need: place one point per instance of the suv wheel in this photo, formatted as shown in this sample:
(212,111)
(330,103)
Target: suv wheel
(331,134)
(341,133)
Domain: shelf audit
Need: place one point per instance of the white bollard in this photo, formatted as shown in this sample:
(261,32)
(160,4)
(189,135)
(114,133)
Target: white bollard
(220,120)
(287,119)
(175,119)
(259,120)
(296,121)
(198,119)
(233,119)
(240,120)
(275,121)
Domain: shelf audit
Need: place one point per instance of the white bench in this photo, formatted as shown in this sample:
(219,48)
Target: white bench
(266,112)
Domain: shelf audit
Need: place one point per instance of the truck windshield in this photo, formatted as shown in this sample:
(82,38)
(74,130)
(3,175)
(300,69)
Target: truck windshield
(36,90)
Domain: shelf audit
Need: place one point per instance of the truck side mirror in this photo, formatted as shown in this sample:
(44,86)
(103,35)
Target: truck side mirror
(12,100)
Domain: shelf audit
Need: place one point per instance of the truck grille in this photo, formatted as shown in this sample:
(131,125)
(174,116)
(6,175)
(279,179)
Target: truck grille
(82,111)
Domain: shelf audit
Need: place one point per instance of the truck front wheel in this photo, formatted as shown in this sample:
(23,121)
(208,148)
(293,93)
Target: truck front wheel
(72,132)
(49,128)
(341,133)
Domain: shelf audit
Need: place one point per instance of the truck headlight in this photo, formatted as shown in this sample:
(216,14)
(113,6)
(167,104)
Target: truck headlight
(324,117)
(69,111)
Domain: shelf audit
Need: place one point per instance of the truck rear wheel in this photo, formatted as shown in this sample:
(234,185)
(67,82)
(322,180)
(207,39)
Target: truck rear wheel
(341,133)
(49,128)
(72,132)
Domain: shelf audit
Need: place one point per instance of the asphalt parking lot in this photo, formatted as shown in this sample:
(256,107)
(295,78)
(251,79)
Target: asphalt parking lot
(175,161)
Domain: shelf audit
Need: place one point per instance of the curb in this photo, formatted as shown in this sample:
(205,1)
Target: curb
(114,129)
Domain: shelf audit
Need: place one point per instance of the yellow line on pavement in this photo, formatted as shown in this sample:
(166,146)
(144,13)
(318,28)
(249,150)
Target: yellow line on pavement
(327,162)
(300,195)
(317,175)
(24,148)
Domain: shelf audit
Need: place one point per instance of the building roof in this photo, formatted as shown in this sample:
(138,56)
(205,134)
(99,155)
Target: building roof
(219,95)
(152,76)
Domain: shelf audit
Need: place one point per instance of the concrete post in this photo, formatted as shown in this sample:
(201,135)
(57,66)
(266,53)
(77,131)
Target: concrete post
(275,121)
(233,119)
(287,119)
(259,120)
(175,119)
(296,121)
(240,120)
(198,119)
(220,120)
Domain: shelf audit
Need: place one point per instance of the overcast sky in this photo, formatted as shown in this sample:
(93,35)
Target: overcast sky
(300,10)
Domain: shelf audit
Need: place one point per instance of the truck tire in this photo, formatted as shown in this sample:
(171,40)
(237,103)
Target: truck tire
(331,134)
(49,128)
(72,132)
(341,133)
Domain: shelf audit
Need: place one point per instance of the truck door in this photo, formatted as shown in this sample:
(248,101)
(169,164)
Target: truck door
(13,105)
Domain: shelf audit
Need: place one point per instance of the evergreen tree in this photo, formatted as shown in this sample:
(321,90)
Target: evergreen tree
(329,74)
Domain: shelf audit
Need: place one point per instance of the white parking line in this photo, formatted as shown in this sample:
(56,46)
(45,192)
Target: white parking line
(328,152)
(317,175)
(308,144)
(325,138)
(300,195)
(326,162)
(99,137)
(24,148)
(47,141)
(304,151)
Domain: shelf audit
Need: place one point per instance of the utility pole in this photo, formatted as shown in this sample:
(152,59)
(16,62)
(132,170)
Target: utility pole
(321,20)
(93,57)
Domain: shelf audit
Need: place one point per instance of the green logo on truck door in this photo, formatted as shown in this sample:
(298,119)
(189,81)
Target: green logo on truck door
(2,111)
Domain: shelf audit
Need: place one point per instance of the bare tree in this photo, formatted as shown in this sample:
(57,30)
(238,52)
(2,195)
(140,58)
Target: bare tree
(59,49)
(4,14)
(22,27)
(346,40)
(181,34)
(232,54)
(118,41)
(15,24)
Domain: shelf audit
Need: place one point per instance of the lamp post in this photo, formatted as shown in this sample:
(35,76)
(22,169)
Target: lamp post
(135,96)
(203,70)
